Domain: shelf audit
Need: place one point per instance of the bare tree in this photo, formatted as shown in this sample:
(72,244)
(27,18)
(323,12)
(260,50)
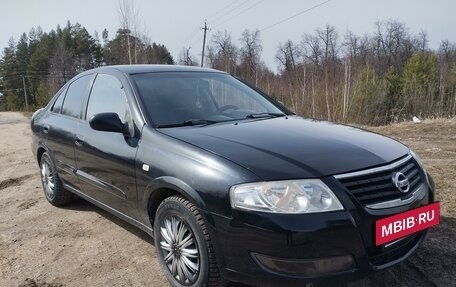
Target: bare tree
(392,45)
(185,58)
(250,55)
(62,66)
(287,55)
(328,37)
(129,19)
(311,44)
(422,41)
(223,53)
(354,49)
(447,76)
(371,79)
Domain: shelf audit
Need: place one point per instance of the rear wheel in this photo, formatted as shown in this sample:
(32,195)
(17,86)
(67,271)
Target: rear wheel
(183,245)
(52,186)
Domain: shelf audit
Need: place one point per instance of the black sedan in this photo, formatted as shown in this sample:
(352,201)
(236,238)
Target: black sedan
(231,185)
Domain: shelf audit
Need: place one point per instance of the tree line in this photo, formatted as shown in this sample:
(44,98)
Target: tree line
(34,68)
(377,78)
(374,79)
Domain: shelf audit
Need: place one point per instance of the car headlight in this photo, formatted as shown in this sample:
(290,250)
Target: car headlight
(291,196)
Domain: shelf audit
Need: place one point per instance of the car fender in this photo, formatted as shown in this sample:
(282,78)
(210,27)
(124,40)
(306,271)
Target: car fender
(169,183)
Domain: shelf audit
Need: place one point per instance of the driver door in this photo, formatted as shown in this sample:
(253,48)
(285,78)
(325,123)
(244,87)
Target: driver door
(106,160)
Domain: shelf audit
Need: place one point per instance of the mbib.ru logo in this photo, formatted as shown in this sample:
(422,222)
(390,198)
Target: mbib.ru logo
(399,225)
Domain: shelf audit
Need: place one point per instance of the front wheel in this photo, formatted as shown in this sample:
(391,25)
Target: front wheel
(183,245)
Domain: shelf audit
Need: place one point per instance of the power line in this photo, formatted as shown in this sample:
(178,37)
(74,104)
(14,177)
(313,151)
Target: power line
(295,15)
(26,72)
(196,41)
(245,10)
(192,35)
(37,77)
(17,77)
(232,10)
(11,90)
(196,30)
(220,10)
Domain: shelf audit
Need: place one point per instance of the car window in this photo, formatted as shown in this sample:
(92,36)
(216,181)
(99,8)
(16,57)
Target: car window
(57,107)
(74,96)
(173,98)
(225,94)
(107,95)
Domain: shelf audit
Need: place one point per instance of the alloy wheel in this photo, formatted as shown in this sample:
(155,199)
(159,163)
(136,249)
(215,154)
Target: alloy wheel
(48,179)
(180,250)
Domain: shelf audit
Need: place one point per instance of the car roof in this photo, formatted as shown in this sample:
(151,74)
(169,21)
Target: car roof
(139,69)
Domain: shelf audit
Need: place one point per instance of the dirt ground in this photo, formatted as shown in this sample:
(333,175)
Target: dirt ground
(82,245)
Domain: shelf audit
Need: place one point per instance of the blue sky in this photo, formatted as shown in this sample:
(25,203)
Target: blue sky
(176,23)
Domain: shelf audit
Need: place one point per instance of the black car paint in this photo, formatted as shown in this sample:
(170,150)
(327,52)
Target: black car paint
(292,147)
(202,163)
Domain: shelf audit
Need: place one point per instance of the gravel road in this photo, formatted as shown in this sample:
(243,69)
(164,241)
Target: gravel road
(82,245)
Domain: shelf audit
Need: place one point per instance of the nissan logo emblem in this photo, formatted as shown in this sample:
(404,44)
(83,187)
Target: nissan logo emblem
(401,182)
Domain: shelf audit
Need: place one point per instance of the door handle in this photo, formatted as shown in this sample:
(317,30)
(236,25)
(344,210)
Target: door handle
(45,129)
(79,141)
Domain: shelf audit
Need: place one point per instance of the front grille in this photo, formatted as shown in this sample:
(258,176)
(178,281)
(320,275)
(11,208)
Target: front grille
(376,185)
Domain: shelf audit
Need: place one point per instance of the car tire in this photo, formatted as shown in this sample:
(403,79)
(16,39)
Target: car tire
(52,185)
(183,245)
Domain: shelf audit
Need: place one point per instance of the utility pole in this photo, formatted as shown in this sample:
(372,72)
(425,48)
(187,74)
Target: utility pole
(25,94)
(204,41)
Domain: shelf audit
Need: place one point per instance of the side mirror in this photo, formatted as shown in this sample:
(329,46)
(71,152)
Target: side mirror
(107,122)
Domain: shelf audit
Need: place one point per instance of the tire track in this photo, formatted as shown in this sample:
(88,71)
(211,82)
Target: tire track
(14,181)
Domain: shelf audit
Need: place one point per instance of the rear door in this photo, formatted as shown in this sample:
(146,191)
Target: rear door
(106,160)
(60,125)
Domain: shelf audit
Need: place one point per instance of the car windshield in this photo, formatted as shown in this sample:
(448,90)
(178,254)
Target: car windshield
(175,99)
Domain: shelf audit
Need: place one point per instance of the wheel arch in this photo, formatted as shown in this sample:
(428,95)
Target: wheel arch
(156,198)
(39,153)
(164,187)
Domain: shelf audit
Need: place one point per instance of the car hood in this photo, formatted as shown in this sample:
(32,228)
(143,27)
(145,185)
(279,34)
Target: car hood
(292,147)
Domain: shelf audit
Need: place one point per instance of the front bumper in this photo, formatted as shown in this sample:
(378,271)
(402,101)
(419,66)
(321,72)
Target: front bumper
(263,249)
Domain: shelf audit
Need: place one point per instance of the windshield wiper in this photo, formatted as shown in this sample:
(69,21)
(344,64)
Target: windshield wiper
(190,122)
(264,115)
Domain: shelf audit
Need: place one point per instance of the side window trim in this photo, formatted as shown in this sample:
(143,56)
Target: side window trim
(61,93)
(84,95)
(92,84)
(85,103)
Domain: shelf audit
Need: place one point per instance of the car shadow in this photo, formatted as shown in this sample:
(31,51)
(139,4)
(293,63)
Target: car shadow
(433,264)
(80,204)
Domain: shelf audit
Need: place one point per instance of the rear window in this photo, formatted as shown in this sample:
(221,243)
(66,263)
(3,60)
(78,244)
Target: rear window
(74,96)
(57,107)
